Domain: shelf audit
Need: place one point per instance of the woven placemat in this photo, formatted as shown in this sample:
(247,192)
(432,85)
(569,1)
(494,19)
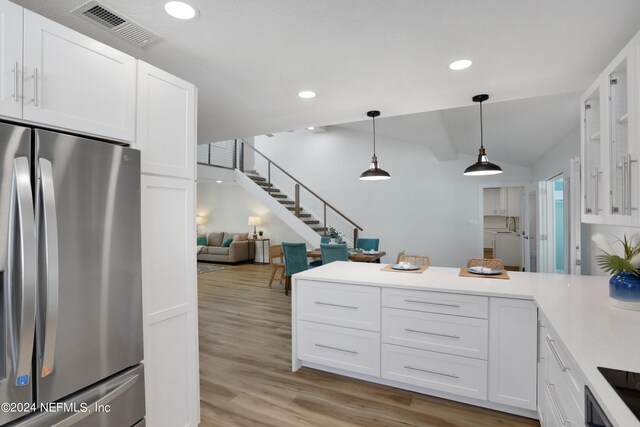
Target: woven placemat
(465,273)
(420,270)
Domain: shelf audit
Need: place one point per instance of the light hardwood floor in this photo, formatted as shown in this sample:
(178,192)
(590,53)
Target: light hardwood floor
(246,378)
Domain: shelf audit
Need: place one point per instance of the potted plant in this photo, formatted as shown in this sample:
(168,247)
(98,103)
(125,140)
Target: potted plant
(335,235)
(624,285)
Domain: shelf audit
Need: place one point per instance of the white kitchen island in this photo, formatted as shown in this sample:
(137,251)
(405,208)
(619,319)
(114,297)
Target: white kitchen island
(527,345)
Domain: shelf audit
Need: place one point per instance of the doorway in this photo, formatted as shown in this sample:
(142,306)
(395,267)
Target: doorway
(551,225)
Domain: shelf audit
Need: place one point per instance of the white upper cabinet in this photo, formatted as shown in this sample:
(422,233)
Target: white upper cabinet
(166,123)
(74,82)
(610,142)
(622,138)
(10,59)
(592,155)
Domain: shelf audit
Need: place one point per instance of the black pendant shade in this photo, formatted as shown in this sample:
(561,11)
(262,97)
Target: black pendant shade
(483,166)
(374,173)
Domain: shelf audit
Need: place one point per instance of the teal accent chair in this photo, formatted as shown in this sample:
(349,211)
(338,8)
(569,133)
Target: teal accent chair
(295,261)
(318,262)
(335,252)
(367,244)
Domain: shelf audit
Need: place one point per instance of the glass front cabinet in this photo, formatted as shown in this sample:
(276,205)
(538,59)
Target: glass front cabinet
(610,146)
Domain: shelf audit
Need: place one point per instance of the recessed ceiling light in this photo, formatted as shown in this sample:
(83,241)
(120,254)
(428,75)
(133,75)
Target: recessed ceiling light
(218,181)
(310,128)
(180,10)
(307,94)
(460,64)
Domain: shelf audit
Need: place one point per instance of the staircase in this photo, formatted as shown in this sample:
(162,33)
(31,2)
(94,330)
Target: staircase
(311,221)
(284,200)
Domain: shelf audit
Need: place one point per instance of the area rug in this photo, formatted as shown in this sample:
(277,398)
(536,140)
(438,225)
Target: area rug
(203,267)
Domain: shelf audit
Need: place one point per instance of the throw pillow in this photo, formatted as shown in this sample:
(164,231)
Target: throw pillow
(202,240)
(215,238)
(227,242)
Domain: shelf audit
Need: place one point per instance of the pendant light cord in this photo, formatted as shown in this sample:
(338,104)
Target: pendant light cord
(374,136)
(481,132)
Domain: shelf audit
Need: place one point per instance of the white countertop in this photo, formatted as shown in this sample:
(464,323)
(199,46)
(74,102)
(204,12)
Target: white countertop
(577,307)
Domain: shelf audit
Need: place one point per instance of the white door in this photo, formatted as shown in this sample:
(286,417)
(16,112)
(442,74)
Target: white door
(76,83)
(529,228)
(10,59)
(166,123)
(575,243)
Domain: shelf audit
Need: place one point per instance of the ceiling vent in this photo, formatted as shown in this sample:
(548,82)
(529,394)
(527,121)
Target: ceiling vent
(123,27)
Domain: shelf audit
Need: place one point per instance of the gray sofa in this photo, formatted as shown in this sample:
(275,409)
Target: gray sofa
(241,249)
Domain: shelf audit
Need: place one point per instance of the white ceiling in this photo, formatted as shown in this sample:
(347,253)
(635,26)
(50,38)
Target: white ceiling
(249,58)
(519,132)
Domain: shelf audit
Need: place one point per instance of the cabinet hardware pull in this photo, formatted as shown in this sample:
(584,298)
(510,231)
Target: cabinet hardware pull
(35,87)
(598,174)
(554,350)
(432,303)
(16,81)
(556,404)
(444,374)
(432,333)
(336,348)
(336,305)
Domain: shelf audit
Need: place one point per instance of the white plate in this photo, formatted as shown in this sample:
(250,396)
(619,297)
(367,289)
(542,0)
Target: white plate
(405,267)
(485,271)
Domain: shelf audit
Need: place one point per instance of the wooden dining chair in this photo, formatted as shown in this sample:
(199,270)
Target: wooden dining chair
(419,260)
(485,262)
(275,253)
(400,255)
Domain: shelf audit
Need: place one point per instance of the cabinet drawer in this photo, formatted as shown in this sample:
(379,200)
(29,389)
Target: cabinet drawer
(436,302)
(463,376)
(559,361)
(350,306)
(344,348)
(463,336)
(561,405)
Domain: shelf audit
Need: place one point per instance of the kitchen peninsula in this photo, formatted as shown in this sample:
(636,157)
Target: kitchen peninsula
(528,345)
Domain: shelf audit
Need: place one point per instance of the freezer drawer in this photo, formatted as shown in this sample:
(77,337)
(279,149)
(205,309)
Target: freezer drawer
(115,402)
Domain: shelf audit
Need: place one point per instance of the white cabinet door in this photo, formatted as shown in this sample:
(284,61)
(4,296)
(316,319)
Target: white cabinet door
(513,352)
(74,82)
(170,304)
(166,123)
(593,154)
(10,59)
(491,201)
(623,150)
(514,200)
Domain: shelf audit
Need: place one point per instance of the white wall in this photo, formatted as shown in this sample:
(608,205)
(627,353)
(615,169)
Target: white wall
(556,160)
(427,208)
(228,207)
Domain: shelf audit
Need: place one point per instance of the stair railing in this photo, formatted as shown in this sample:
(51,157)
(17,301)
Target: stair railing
(326,205)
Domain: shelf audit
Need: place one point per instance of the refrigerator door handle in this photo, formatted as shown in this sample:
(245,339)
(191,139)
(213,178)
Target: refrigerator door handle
(49,222)
(92,407)
(22,223)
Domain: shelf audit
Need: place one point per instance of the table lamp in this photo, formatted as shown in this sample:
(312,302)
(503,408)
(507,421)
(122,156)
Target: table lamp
(255,220)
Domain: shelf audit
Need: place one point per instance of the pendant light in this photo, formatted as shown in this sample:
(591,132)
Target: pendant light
(483,166)
(374,173)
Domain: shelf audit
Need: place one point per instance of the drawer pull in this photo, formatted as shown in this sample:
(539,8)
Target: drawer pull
(336,348)
(432,333)
(432,303)
(554,350)
(552,393)
(337,305)
(431,372)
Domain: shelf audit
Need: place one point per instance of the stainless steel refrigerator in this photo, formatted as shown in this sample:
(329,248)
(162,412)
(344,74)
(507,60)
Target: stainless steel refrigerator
(71,296)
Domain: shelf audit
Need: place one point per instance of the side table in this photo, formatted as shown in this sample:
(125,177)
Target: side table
(262,251)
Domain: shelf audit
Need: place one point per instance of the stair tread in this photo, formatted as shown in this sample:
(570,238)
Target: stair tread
(272,190)
(287,202)
(256,178)
(279,196)
(311,221)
